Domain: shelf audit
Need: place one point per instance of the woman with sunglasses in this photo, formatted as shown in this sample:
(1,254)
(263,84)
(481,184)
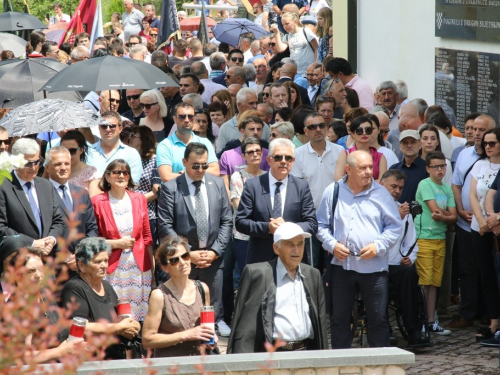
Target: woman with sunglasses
(295,99)
(483,174)
(155,109)
(378,142)
(172,327)
(122,219)
(81,174)
(325,106)
(361,130)
(429,141)
(347,141)
(153,35)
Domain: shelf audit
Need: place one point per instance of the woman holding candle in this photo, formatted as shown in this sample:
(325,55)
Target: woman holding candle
(172,326)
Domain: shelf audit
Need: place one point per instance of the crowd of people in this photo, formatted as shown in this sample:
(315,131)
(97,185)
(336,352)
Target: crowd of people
(271,170)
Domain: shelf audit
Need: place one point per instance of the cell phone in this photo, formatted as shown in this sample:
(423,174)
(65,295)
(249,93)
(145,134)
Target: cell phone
(47,16)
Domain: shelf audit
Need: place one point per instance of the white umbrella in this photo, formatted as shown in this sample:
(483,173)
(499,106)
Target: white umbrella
(11,42)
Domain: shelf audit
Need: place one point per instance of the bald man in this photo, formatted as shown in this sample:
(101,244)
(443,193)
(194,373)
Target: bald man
(287,73)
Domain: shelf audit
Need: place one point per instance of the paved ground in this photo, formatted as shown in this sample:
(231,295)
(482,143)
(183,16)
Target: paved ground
(455,354)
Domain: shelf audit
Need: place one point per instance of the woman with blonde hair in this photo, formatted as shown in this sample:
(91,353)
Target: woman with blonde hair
(155,109)
(323,33)
(224,97)
(301,41)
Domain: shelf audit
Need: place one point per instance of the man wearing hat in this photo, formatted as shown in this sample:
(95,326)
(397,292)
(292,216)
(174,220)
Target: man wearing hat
(281,298)
(413,166)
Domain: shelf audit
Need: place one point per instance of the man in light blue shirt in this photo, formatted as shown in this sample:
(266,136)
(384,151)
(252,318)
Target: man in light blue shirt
(110,147)
(367,223)
(170,151)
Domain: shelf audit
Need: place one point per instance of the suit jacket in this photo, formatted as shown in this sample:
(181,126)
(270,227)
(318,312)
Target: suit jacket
(141,232)
(253,320)
(220,79)
(176,213)
(16,215)
(255,211)
(87,225)
(302,92)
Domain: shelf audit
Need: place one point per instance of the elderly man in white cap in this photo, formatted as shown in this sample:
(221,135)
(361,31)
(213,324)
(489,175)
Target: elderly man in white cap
(281,299)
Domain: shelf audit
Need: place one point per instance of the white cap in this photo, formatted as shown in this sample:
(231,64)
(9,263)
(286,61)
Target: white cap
(289,230)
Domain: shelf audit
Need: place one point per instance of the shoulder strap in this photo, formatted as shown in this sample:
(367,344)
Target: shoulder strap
(401,245)
(335,199)
(93,105)
(468,171)
(308,42)
(202,291)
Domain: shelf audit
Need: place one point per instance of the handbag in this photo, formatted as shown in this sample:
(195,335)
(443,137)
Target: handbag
(327,276)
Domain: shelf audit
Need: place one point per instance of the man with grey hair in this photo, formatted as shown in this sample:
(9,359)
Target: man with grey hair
(218,64)
(150,10)
(245,99)
(282,129)
(388,96)
(402,92)
(337,91)
(28,205)
(210,87)
(79,53)
(208,50)
(132,19)
(360,257)
(71,199)
(138,52)
(422,106)
(195,100)
(246,40)
(262,208)
(266,112)
(255,49)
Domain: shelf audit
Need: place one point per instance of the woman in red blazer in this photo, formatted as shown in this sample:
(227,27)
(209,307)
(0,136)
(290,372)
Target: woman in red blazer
(122,218)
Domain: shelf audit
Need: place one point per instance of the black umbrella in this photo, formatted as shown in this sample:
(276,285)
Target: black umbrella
(21,80)
(109,73)
(14,21)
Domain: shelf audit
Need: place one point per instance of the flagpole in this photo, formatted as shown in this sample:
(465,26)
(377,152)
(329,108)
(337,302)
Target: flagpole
(205,29)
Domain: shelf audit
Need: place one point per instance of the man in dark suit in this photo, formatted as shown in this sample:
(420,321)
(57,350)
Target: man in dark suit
(234,58)
(74,201)
(280,299)
(28,205)
(287,73)
(258,214)
(196,205)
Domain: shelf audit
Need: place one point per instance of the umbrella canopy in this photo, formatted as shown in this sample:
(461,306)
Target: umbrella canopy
(49,115)
(56,31)
(193,23)
(109,73)
(14,21)
(230,29)
(21,80)
(11,42)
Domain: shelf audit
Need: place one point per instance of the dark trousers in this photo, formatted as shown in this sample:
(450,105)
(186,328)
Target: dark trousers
(374,291)
(483,248)
(404,281)
(240,249)
(467,274)
(212,276)
(319,255)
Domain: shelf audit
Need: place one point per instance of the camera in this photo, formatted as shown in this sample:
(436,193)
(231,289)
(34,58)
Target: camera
(415,208)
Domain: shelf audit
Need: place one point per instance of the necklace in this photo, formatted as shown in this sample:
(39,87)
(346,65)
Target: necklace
(492,167)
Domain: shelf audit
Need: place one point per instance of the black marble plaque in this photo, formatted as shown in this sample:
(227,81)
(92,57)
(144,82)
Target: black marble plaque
(468,19)
(467,82)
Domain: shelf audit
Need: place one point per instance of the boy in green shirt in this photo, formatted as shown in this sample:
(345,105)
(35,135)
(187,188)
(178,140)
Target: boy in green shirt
(438,206)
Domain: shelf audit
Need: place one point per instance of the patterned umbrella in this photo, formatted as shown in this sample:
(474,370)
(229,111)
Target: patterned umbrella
(49,115)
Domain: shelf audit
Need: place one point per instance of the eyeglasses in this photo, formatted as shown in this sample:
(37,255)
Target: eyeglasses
(321,125)
(106,126)
(119,172)
(279,158)
(254,152)
(197,166)
(489,144)
(73,151)
(173,261)
(133,97)
(183,117)
(239,59)
(272,44)
(147,105)
(117,101)
(6,142)
(266,94)
(32,164)
(323,98)
(438,166)
(367,131)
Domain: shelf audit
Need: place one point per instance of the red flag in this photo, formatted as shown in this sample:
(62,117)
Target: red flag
(84,15)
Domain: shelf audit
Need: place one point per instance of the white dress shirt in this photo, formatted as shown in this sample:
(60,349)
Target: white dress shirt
(272,189)
(311,92)
(204,194)
(291,315)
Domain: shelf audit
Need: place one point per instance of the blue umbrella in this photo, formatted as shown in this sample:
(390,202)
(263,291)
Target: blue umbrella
(229,30)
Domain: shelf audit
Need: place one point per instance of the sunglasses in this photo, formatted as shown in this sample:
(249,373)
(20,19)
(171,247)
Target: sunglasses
(153,35)
(105,127)
(147,106)
(197,166)
(133,97)
(266,94)
(321,125)
(32,164)
(73,151)
(254,152)
(239,59)
(173,261)
(183,117)
(228,76)
(438,166)
(489,144)
(119,172)
(272,44)
(117,101)
(367,131)
(6,142)
(324,99)
(279,158)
